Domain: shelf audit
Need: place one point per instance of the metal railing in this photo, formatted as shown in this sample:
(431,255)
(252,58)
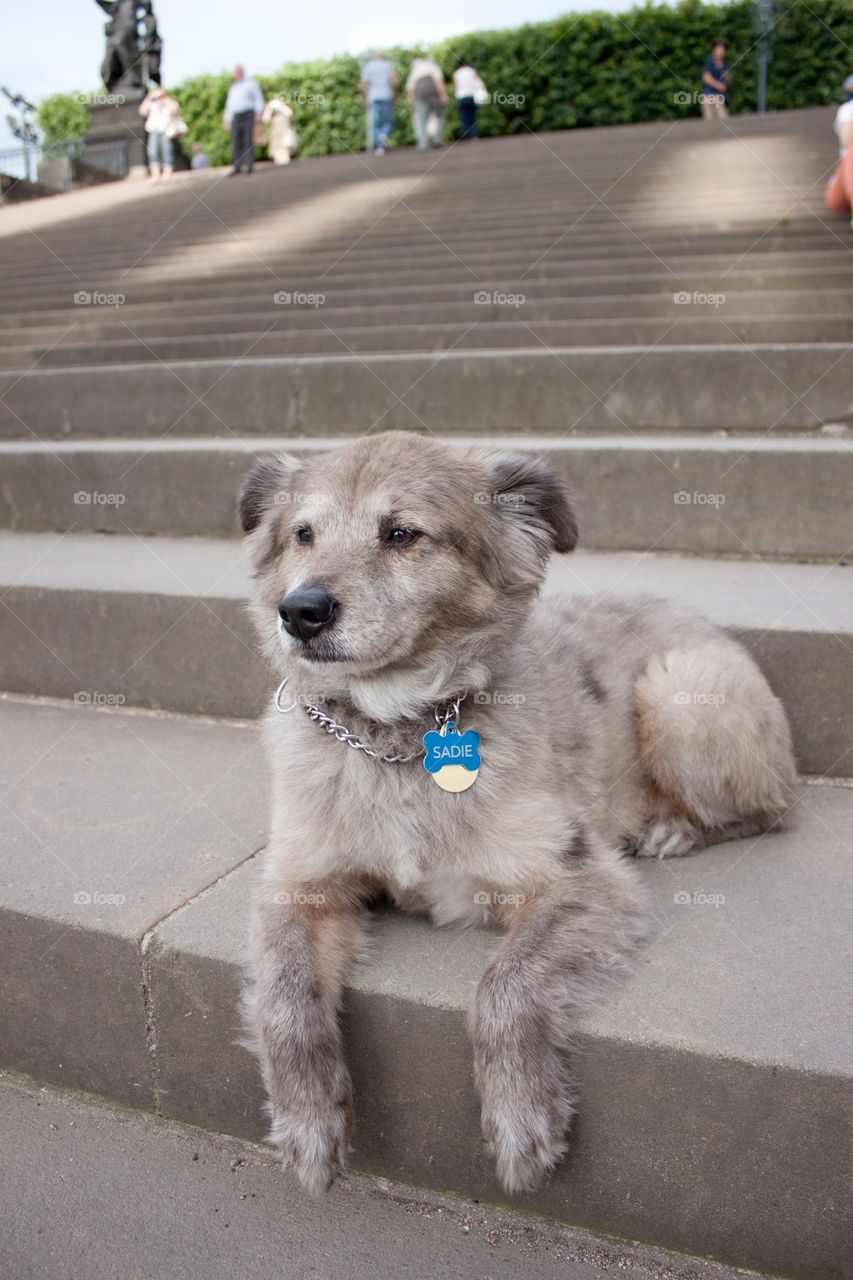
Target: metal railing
(62,166)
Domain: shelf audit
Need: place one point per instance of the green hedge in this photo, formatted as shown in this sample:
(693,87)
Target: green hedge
(63,117)
(580,69)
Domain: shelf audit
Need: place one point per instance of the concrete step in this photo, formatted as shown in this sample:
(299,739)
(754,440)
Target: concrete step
(453,191)
(258,315)
(485,238)
(747,496)
(203,1206)
(709,329)
(254,316)
(721,1069)
(568,236)
(401,287)
(771,168)
(160,622)
(341,270)
(734,387)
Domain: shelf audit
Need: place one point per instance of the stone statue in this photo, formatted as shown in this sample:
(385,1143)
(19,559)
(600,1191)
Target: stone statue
(131,61)
(152,45)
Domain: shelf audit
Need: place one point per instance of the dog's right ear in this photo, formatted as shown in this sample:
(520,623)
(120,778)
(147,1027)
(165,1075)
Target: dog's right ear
(269,482)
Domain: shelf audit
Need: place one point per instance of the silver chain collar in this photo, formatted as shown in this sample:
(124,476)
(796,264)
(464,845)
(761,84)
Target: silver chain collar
(339,731)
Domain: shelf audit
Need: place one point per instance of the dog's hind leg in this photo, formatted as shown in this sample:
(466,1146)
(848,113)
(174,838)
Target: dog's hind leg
(564,946)
(716,746)
(305,939)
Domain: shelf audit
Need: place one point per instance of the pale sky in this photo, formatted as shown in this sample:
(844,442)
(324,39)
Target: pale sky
(48,46)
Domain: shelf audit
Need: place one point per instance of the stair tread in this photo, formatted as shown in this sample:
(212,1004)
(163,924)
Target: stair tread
(770,595)
(761,974)
(154,808)
(807,443)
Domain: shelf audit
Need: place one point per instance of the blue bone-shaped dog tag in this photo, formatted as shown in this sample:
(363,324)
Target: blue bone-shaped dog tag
(453,758)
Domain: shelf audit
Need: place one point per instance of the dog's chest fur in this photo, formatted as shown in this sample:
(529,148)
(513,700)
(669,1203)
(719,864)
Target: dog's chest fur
(560,772)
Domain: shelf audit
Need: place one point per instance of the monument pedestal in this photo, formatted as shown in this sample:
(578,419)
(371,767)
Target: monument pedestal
(116,138)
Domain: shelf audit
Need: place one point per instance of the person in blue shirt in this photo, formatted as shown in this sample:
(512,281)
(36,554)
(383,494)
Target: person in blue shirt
(243,107)
(716,78)
(199,160)
(379,84)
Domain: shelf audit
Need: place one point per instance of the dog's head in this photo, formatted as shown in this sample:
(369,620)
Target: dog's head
(397,552)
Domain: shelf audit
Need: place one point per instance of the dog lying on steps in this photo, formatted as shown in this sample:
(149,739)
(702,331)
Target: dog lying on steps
(396,589)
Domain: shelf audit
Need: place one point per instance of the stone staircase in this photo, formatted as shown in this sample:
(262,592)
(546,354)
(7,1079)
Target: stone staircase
(664,311)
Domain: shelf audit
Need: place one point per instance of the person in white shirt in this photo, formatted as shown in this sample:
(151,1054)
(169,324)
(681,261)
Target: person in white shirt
(161,115)
(839,193)
(470,92)
(428,96)
(243,106)
(282,135)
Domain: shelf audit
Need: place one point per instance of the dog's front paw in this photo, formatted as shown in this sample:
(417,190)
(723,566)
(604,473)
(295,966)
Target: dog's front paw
(525,1132)
(671,837)
(313,1140)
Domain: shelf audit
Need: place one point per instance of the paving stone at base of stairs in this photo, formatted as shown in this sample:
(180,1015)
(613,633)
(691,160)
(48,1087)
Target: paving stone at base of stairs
(167,1199)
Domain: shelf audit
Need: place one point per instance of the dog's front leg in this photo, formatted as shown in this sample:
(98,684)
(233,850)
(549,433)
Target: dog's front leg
(563,944)
(305,939)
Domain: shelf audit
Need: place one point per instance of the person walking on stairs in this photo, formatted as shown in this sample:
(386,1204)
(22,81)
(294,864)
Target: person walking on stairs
(243,106)
(839,193)
(163,124)
(716,78)
(282,141)
(470,93)
(428,96)
(379,88)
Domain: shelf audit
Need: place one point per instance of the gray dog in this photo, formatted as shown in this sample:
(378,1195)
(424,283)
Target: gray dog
(397,591)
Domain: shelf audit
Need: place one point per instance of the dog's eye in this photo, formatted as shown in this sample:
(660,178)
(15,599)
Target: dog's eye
(304,536)
(400,537)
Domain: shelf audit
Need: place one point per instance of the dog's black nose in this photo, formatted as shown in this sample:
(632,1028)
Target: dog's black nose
(306,611)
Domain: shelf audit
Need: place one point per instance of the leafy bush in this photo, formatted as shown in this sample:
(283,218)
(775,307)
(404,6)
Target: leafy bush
(64,117)
(580,69)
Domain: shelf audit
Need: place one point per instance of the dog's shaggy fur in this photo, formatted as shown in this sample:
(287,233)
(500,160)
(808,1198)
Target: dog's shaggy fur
(609,726)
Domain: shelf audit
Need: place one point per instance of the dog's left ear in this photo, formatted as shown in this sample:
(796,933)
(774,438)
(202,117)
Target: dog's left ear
(267,483)
(523,489)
